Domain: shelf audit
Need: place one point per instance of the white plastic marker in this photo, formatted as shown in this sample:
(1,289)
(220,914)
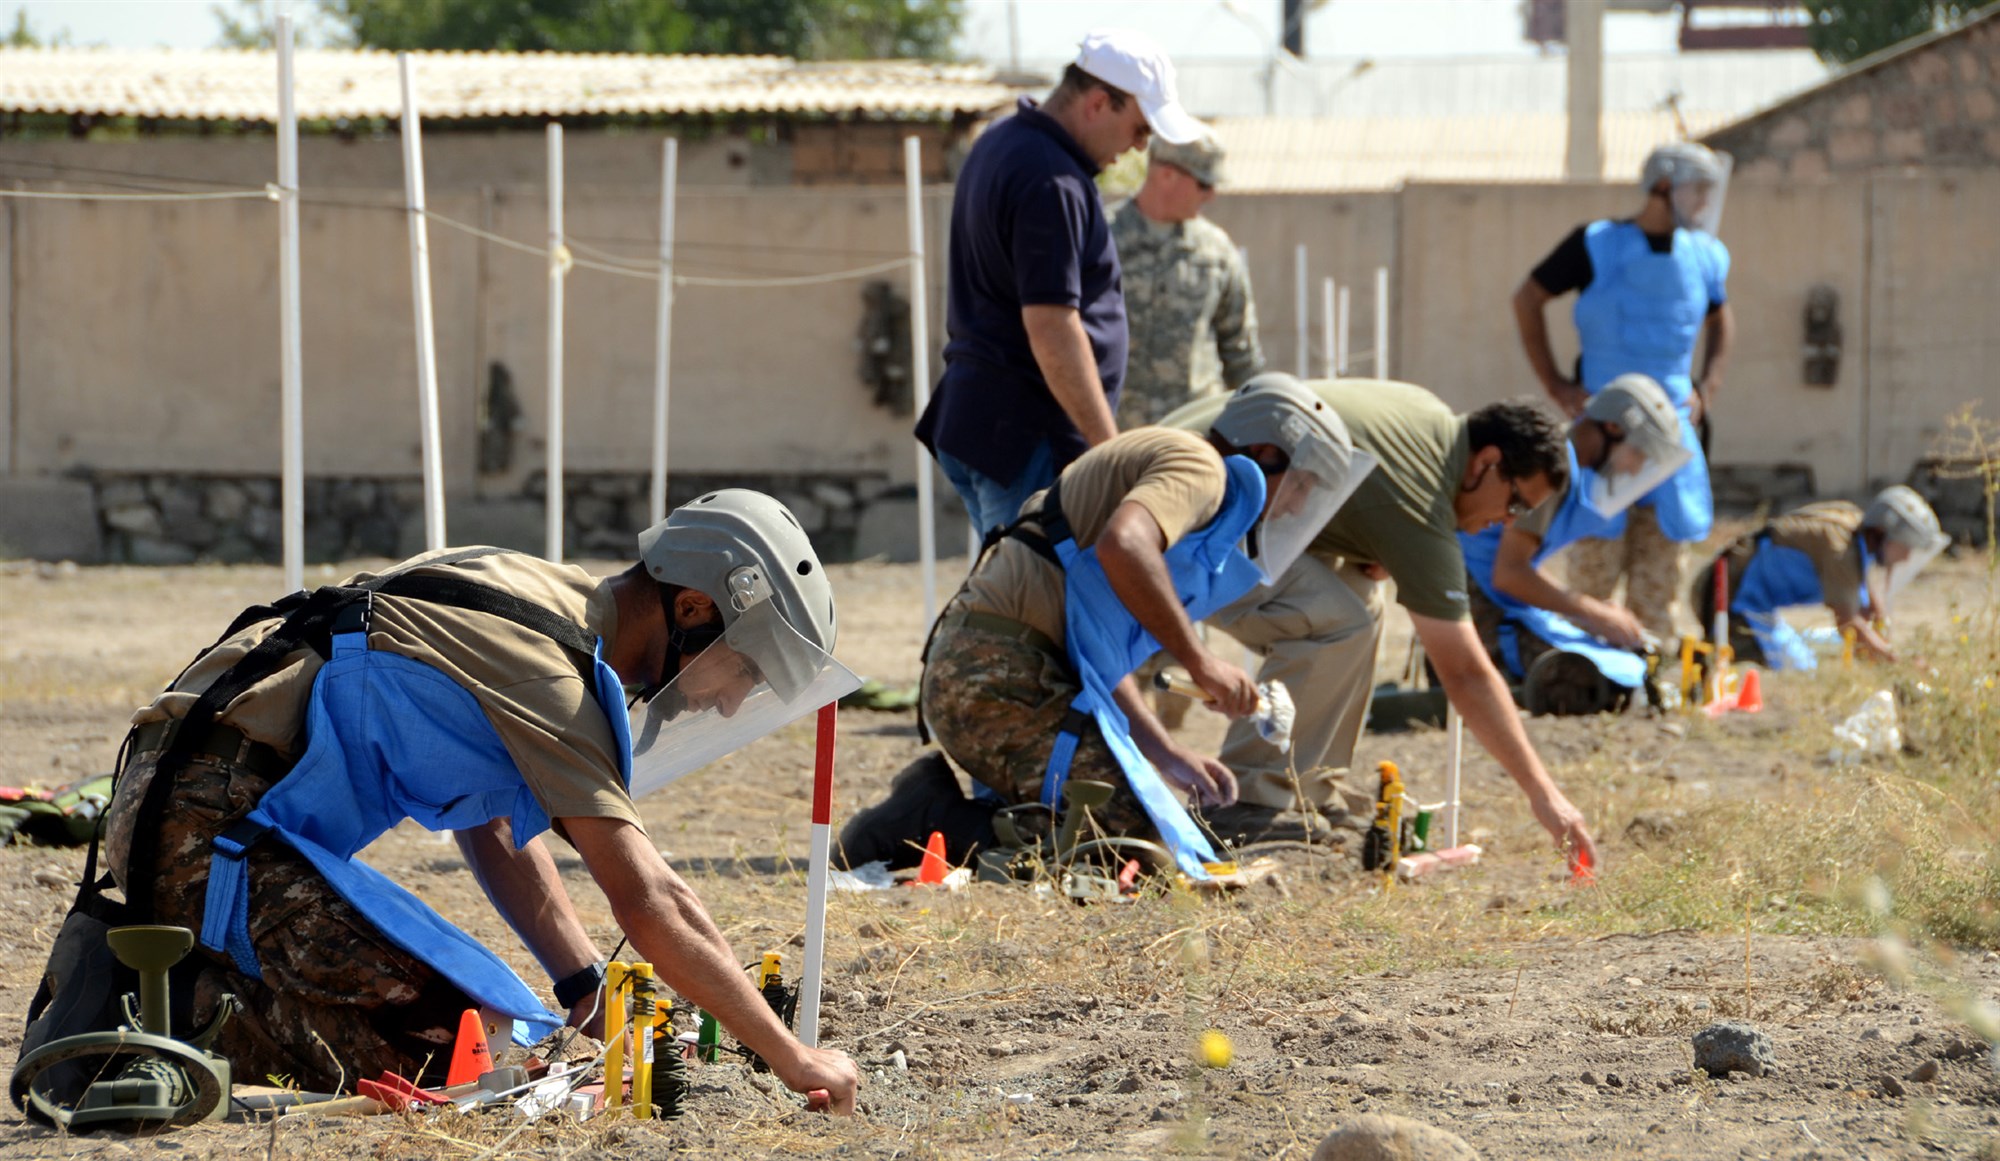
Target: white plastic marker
(663,324)
(1456,760)
(1381,322)
(291,375)
(420,296)
(816,878)
(558,268)
(920,368)
(1326,336)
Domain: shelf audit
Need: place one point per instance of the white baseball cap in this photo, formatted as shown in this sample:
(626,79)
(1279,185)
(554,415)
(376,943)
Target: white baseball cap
(1131,61)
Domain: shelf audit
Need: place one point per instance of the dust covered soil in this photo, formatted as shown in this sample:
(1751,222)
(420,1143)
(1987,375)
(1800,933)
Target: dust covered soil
(1745,877)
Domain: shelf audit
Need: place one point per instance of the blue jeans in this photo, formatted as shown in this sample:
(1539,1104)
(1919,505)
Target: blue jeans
(992,503)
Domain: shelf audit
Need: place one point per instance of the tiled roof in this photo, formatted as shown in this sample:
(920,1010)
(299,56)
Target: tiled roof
(241,85)
(1319,154)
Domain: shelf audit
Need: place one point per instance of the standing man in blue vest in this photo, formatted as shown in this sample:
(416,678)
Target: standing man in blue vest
(481,692)
(1035,309)
(1649,288)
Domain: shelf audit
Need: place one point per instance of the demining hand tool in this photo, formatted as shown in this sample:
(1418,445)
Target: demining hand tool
(1275,712)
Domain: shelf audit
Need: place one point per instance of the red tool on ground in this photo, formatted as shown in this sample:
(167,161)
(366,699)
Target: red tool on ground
(398,1092)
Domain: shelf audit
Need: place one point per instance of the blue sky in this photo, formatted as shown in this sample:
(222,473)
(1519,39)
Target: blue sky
(1048,29)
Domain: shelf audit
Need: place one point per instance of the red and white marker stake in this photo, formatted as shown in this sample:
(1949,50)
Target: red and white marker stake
(816,880)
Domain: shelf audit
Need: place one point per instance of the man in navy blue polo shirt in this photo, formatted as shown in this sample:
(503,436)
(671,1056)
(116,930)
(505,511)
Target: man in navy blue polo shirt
(1036,315)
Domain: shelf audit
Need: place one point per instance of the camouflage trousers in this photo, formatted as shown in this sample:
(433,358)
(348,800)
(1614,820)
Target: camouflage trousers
(1486,619)
(1649,563)
(338,1001)
(995,702)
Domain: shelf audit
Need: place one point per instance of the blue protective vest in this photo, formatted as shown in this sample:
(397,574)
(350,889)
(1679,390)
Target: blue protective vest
(1574,520)
(390,738)
(1776,578)
(1106,642)
(1643,311)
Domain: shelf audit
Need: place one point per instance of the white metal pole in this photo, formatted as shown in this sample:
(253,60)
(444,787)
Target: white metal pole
(817,863)
(1302,310)
(663,341)
(1381,322)
(420,295)
(1326,325)
(920,369)
(1340,334)
(1455,763)
(553,514)
(291,375)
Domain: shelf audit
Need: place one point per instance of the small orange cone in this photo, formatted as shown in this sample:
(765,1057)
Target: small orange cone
(470,1057)
(1750,695)
(934,867)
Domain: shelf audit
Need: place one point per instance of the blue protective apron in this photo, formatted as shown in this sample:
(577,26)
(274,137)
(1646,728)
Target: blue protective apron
(1574,519)
(1106,642)
(391,738)
(1776,578)
(1643,311)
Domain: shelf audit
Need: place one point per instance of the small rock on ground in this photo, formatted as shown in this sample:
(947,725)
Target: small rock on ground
(1727,1046)
(1378,1137)
(1923,1073)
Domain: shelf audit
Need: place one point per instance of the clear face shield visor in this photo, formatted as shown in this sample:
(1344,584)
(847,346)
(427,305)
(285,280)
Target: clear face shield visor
(1697,197)
(1901,561)
(759,677)
(1631,470)
(1302,499)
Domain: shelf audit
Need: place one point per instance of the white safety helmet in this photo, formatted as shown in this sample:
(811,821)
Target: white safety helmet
(1697,179)
(1648,451)
(772,660)
(1323,465)
(1903,518)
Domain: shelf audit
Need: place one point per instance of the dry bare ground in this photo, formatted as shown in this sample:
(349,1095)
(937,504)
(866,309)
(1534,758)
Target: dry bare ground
(1848,911)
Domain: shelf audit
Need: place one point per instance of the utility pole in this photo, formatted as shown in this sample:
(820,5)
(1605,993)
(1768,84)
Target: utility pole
(1585,33)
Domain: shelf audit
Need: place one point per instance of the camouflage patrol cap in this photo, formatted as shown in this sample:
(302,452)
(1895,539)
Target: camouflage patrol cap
(1202,158)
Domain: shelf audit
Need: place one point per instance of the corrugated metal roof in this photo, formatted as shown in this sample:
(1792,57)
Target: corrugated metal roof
(1321,154)
(241,85)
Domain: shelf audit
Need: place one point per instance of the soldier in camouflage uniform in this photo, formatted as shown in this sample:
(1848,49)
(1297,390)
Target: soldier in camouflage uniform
(1187,295)
(479,692)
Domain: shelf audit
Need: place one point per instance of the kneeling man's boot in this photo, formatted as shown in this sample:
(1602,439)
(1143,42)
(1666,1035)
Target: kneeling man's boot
(923,798)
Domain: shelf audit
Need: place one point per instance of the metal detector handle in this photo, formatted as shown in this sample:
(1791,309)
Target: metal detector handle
(1176,680)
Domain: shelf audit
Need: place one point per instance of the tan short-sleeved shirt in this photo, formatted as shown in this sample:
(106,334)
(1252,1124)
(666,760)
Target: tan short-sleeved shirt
(1401,517)
(1174,475)
(1825,532)
(530,688)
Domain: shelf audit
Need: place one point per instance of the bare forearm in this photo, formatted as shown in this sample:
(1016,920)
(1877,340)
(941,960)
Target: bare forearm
(1534,328)
(1720,342)
(1475,689)
(670,928)
(528,892)
(1132,552)
(1147,732)
(1062,351)
(1870,642)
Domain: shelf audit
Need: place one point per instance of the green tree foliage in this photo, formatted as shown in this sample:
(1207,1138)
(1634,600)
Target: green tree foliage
(811,29)
(1847,30)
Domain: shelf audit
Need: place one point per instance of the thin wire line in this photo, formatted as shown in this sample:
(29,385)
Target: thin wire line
(270,192)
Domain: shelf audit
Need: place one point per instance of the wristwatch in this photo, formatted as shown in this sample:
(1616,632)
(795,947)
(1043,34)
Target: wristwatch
(572,988)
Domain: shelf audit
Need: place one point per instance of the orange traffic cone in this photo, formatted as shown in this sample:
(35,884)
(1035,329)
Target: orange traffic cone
(1750,695)
(470,1057)
(934,867)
